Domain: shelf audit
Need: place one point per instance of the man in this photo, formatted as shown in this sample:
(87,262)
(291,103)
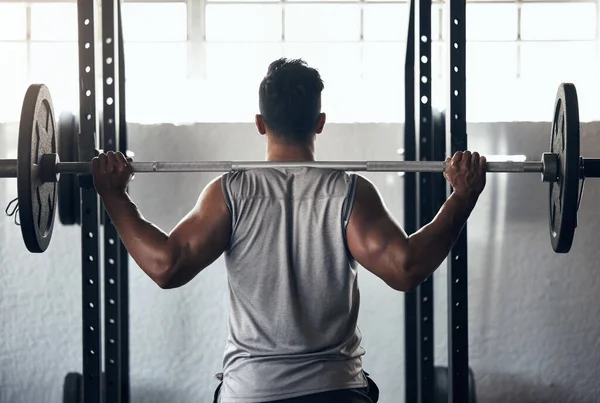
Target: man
(292,239)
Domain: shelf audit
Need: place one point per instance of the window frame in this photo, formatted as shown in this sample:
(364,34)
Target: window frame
(196,42)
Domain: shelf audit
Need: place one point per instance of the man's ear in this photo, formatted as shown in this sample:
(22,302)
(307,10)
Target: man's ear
(321,123)
(260,124)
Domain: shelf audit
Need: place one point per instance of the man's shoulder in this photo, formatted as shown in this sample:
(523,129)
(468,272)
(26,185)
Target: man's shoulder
(280,182)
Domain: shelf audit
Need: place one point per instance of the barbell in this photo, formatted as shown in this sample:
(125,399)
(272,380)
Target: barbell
(38,167)
(52,166)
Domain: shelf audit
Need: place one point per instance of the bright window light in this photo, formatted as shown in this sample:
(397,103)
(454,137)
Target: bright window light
(328,1)
(206,66)
(337,62)
(492,22)
(13,59)
(565,61)
(154,22)
(242,1)
(492,60)
(241,62)
(54,22)
(13,21)
(384,61)
(231,22)
(13,79)
(558,21)
(54,61)
(322,22)
(385,22)
(152,62)
(509,158)
(439,23)
(438,59)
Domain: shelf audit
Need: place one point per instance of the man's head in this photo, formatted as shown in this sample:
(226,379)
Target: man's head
(290,102)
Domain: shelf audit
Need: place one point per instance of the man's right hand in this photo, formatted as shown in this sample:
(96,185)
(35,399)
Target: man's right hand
(112,172)
(466,174)
(381,246)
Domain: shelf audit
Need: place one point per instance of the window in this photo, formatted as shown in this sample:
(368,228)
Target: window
(154,22)
(13,58)
(518,53)
(13,22)
(231,22)
(53,22)
(38,43)
(492,22)
(547,21)
(202,60)
(357,47)
(385,22)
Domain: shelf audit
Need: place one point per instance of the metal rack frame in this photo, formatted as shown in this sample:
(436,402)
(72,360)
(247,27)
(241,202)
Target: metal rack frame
(112,385)
(123,254)
(427,206)
(115,345)
(410,210)
(458,297)
(90,262)
(432,191)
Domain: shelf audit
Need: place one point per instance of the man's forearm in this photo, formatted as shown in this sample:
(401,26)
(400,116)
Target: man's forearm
(429,246)
(145,242)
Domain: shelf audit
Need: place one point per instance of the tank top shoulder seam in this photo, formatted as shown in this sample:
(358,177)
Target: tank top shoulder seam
(293,198)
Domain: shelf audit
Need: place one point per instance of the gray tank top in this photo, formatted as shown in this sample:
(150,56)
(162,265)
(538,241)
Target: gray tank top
(293,292)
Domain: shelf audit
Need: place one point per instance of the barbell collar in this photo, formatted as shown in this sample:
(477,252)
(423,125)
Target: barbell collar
(47,168)
(549,167)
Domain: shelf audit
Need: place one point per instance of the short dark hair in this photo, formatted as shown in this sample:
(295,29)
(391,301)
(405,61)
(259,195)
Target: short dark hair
(290,99)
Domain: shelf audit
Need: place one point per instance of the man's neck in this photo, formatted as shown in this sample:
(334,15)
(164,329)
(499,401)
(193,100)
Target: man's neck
(288,152)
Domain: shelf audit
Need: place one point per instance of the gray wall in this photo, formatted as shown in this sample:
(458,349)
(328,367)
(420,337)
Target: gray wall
(533,314)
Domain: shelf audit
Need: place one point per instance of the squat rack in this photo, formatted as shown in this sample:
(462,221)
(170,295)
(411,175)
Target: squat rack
(458,297)
(425,133)
(108,382)
(419,208)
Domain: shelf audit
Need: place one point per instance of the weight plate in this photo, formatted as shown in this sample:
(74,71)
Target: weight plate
(37,200)
(564,193)
(73,388)
(69,194)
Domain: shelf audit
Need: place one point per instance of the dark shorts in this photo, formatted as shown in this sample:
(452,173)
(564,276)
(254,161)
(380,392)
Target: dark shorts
(370,394)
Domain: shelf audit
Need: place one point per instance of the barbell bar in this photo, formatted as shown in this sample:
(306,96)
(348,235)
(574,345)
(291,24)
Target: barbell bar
(590,167)
(38,167)
(8,167)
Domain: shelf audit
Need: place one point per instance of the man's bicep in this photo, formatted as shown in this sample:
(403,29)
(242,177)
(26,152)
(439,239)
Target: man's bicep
(375,239)
(203,235)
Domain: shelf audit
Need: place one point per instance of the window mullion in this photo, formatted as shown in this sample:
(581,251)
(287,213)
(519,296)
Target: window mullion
(28,39)
(196,39)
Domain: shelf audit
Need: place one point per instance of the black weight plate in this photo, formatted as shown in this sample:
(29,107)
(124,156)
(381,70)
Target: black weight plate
(440,375)
(69,194)
(564,193)
(37,200)
(73,388)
